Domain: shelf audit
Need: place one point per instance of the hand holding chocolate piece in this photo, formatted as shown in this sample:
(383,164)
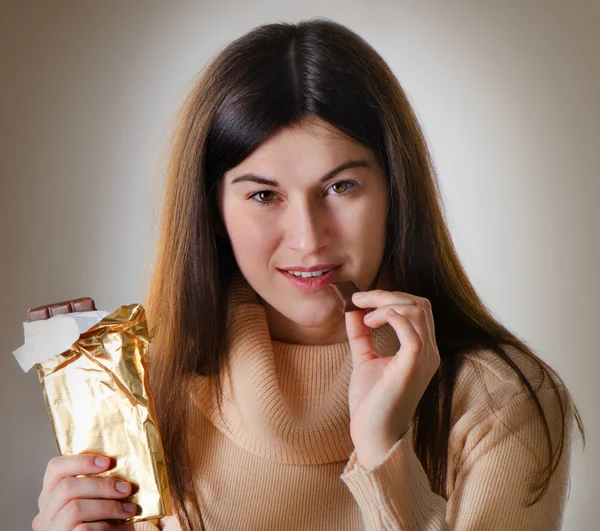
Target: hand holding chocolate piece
(344,292)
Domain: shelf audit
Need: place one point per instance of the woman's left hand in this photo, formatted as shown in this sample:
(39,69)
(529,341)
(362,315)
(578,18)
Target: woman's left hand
(384,391)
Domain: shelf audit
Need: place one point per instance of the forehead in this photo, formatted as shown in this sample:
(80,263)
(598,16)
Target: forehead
(309,148)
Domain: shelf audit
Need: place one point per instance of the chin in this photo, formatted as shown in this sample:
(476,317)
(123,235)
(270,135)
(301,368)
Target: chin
(314,319)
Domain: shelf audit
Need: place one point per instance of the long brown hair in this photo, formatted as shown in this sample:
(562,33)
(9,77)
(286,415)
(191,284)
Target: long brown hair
(271,78)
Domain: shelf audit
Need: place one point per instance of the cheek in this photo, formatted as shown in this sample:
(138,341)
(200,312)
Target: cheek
(365,226)
(249,233)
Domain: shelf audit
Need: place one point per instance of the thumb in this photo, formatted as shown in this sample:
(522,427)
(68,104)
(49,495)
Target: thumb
(360,338)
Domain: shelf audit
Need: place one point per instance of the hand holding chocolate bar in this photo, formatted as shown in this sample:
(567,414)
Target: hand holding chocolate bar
(68,499)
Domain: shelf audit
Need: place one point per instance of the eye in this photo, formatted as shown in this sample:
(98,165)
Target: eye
(343,187)
(264,195)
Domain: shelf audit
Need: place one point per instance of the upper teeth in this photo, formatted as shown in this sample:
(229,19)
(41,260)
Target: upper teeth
(309,274)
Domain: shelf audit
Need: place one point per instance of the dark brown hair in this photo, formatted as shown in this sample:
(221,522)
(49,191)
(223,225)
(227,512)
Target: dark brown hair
(270,78)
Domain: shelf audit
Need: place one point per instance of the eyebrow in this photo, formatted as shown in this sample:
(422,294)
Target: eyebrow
(251,177)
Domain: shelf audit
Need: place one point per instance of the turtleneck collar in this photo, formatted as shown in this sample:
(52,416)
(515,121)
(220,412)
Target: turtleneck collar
(282,401)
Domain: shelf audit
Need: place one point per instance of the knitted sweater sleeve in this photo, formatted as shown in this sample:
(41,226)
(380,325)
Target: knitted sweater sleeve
(493,458)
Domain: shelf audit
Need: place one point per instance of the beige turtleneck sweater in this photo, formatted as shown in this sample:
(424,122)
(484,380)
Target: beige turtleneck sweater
(284,460)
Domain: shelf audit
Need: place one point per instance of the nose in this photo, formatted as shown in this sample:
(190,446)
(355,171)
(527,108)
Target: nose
(306,227)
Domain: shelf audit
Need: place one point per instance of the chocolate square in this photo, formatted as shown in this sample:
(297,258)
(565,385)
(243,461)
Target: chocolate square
(344,291)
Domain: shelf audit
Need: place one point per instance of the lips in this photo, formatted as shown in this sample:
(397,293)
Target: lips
(312,283)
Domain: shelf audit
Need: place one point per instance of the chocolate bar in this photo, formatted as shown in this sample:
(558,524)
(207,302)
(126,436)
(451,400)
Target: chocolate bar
(84,304)
(344,292)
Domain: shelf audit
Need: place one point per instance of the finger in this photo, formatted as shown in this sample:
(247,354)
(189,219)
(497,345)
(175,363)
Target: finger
(415,314)
(379,297)
(411,344)
(77,512)
(72,487)
(71,465)
(360,338)
(97,526)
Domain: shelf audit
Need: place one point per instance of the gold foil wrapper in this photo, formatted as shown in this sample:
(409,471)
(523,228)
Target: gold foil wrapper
(99,401)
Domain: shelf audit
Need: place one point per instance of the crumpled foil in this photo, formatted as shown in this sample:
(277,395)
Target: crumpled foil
(99,401)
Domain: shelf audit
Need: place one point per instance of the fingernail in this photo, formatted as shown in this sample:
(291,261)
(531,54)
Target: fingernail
(391,311)
(123,486)
(102,462)
(131,508)
(368,318)
(358,295)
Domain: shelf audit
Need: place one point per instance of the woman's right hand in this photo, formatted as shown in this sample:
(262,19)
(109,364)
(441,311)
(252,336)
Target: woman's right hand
(70,503)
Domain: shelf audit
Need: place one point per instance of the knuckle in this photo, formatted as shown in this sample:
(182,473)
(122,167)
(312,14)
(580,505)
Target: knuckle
(417,343)
(74,509)
(413,310)
(53,465)
(67,485)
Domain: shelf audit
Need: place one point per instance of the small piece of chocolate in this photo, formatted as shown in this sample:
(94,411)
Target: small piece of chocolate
(344,292)
(84,304)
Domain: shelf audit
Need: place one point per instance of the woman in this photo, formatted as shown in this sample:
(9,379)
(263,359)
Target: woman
(297,155)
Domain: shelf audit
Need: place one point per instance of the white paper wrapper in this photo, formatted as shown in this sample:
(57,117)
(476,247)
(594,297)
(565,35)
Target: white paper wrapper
(50,337)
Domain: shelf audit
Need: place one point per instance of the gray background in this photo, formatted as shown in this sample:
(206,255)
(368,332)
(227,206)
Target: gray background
(507,94)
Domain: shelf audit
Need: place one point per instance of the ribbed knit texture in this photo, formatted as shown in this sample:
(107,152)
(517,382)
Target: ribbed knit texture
(282,458)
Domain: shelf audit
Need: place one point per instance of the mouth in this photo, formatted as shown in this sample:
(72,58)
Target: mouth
(304,282)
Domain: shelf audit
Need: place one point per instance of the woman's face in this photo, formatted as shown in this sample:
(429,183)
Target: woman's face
(307,215)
